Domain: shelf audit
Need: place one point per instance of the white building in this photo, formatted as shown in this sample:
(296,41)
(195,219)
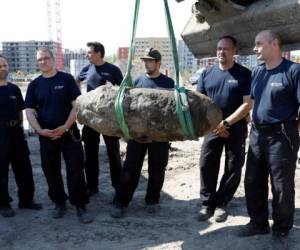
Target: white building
(187,61)
(76,65)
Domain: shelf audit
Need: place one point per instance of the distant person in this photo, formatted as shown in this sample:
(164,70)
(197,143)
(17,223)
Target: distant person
(13,146)
(227,83)
(98,73)
(274,140)
(50,111)
(158,152)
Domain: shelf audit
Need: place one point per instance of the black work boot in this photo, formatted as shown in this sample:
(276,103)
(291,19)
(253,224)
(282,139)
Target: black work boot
(30,205)
(205,213)
(252,229)
(7,211)
(59,211)
(280,240)
(220,214)
(117,211)
(83,215)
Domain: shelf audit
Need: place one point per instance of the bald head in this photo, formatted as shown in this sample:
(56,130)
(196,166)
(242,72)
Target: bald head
(267,46)
(270,36)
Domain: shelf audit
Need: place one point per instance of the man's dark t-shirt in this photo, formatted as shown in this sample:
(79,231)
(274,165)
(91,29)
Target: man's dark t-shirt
(52,98)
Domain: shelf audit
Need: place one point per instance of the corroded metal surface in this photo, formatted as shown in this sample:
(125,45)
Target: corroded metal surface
(212,19)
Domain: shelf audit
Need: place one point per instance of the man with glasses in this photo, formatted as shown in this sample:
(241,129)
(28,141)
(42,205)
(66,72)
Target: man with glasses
(50,111)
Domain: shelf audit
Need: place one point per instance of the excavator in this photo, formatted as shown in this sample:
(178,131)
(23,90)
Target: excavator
(243,19)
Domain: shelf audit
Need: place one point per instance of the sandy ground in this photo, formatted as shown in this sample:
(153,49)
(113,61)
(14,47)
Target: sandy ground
(174,227)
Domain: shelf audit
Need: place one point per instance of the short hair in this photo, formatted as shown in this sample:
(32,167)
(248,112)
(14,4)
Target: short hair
(231,38)
(47,50)
(97,47)
(273,35)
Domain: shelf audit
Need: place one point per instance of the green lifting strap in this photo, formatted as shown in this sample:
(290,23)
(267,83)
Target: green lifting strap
(182,106)
(127,81)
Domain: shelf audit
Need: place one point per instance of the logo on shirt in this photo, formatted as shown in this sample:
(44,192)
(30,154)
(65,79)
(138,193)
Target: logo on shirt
(105,74)
(13,97)
(59,87)
(232,81)
(276,84)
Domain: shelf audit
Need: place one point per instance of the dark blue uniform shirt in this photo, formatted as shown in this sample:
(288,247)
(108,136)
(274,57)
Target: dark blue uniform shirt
(276,93)
(52,98)
(96,76)
(225,87)
(11,102)
(161,81)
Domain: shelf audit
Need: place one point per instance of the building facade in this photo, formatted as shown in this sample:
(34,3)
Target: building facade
(21,56)
(187,61)
(76,66)
(123,53)
(162,44)
(69,55)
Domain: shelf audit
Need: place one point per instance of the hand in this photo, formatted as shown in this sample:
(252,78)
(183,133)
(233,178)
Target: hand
(48,133)
(221,130)
(224,134)
(45,132)
(59,131)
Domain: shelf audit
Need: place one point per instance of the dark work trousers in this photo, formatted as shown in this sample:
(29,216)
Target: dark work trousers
(71,148)
(272,152)
(91,140)
(210,157)
(14,150)
(158,155)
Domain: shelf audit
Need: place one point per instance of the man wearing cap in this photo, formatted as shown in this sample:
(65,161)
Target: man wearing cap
(13,146)
(97,73)
(227,83)
(158,152)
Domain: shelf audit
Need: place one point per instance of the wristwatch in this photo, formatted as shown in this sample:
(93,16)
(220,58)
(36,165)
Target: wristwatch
(226,124)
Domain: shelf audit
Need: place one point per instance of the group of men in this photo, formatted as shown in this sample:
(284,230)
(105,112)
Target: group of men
(51,113)
(272,92)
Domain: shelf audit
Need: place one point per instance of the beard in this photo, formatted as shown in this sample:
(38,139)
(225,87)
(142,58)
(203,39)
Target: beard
(222,60)
(150,71)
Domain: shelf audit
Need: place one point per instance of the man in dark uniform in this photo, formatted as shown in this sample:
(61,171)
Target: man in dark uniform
(158,152)
(96,74)
(228,85)
(274,139)
(49,108)
(13,146)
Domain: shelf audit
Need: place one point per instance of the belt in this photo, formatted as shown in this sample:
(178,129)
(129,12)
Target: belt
(11,123)
(275,126)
